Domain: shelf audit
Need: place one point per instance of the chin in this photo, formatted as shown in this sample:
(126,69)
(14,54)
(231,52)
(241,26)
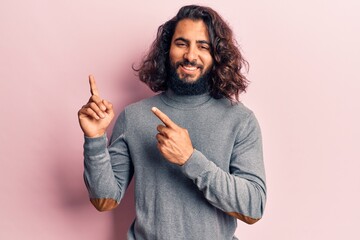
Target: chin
(188,78)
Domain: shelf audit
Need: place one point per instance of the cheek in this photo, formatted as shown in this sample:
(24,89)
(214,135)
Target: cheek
(174,55)
(208,61)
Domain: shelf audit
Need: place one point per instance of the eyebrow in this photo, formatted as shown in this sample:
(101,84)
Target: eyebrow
(185,40)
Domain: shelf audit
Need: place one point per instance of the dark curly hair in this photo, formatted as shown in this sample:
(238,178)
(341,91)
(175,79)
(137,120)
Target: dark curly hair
(226,78)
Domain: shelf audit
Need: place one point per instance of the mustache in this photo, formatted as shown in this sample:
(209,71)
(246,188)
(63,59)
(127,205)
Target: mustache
(186,62)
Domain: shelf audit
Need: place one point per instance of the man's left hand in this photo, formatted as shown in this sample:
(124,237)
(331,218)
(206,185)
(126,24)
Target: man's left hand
(174,142)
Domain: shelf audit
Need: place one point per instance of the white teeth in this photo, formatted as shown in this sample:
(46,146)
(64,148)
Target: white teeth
(190,68)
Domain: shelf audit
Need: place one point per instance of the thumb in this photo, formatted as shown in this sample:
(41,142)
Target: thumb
(108,105)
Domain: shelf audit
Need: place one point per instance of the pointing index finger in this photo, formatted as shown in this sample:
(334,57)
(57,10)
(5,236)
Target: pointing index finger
(93,88)
(163,117)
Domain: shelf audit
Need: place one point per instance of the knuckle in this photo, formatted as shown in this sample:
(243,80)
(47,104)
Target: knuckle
(89,110)
(170,135)
(93,105)
(94,98)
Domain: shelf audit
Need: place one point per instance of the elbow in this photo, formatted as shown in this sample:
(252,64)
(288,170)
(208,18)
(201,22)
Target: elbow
(258,207)
(250,220)
(104,204)
(252,216)
(245,219)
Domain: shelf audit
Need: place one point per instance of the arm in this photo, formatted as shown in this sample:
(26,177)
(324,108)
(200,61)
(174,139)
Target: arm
(107,170)
(241,192)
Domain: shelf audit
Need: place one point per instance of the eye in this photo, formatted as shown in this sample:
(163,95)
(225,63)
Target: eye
(180,44)
(204,47)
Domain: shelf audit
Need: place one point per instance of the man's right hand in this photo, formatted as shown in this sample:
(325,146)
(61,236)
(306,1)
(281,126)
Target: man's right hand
(96,115)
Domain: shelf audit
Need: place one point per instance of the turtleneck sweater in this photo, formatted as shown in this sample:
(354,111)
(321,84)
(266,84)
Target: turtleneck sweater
(222,181)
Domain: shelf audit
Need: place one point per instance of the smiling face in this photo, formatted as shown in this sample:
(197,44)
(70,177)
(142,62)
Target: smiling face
(190,53)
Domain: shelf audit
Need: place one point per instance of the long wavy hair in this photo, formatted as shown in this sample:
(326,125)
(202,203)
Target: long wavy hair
(226,77)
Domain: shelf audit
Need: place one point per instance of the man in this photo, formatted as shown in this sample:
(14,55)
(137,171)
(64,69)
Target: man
(195,151)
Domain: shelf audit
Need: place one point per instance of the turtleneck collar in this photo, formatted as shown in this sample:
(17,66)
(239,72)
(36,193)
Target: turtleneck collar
(184,101)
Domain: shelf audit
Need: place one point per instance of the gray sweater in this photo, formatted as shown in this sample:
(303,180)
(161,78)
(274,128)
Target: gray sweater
(223,180)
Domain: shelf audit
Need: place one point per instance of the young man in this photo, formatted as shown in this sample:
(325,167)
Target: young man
(194,150)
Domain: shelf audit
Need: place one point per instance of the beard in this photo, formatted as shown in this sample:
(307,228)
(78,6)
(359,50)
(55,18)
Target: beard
(181,86)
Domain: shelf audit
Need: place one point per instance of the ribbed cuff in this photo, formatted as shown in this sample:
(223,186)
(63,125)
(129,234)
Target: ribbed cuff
(95,146)
(196,165)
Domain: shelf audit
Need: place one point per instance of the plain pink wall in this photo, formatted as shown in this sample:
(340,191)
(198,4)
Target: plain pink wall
(304,59)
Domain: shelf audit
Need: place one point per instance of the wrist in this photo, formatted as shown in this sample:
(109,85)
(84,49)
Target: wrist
(187,157)
(96,135)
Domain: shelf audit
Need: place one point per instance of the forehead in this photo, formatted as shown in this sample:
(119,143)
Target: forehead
(191,30)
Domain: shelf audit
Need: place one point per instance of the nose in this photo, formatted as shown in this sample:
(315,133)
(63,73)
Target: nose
(191,54)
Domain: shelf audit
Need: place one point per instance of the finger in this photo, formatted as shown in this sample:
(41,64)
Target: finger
(165,131)
(108,105)
(97,110)
(163,117)
(160,146)
(98,101)
(93,88)
(161,128)
(161,139)
(88,112)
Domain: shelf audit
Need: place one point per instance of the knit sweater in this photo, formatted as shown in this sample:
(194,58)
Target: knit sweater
(222,181)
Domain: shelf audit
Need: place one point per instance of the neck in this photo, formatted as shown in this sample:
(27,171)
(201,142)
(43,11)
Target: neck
(185,101)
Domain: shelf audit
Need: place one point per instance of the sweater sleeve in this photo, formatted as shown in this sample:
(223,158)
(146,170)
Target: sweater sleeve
(107,169)
(240,192)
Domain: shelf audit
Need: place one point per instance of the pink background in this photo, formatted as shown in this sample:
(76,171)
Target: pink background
(304,58)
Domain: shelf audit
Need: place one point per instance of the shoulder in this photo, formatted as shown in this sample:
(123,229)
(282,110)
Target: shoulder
(235,109)
(135,113)
(237,115)
(140,111)
(144,104)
